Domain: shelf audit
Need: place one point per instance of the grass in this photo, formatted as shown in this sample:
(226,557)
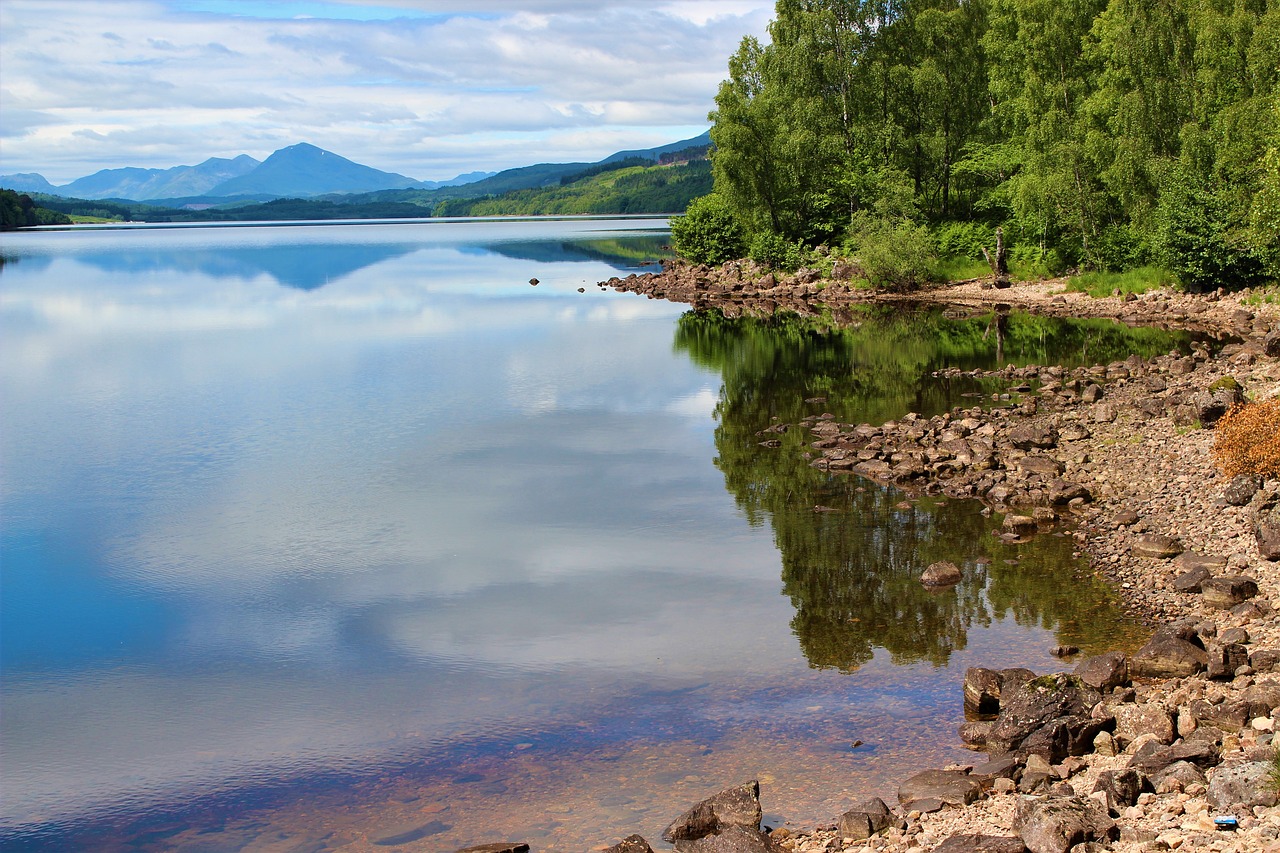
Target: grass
(1135,281)
(1267,295)
(91,220)
(960,269)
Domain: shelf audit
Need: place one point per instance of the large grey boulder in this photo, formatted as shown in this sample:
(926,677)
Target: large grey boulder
(1057,824)
(1241,784)
(951,787)
(739,806)
(1121,787)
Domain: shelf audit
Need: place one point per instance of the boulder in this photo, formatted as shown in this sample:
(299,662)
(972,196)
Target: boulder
(942,573)
(1225,593)
(1264,660)
(1241,784)
(731,839)
(1104,672)
(1191,581)
(1271,343)
(1037,703)
(630,844)
(1240,489)
(1122,787)
(1038,463)
(1133,721)
(1057,824)
(981,844)
(865,819)
(1225,659)
(1189,561)
(981,690)
(1210,405)
(975,732)
(739,806)
(1155,546)
(1028,436)
(1018,524)
(1266,529)
(951,787)
(1177,776)
(1168,655)
(1063,492)
(521,847)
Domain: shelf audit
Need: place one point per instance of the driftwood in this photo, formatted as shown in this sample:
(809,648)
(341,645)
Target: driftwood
(999,263)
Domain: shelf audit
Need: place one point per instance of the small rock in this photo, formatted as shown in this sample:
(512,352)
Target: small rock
(1226,592)
(1155,546)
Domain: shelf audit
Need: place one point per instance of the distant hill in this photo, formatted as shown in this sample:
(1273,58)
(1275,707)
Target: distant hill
(305,170)
(303,181)
(146,184)
(27,182)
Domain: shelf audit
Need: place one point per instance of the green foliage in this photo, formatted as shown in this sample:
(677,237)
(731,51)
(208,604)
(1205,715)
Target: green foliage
(894,254)
(19,211)
(1194,237)
(965,239)
(775,251)
(1030,262)
(708,233)
(1078,125)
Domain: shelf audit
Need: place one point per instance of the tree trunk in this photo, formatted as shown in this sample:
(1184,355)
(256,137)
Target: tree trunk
(999,263)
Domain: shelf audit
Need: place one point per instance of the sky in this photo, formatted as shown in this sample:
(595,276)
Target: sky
(426,88)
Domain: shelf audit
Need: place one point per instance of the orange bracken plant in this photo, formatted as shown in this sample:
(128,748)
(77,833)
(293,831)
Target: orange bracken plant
(1246,440)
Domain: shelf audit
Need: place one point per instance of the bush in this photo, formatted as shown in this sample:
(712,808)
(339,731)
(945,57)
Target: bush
(1246,440)
(708,233)
(1118,247)
(895,255)
(1193,237)
(775,252)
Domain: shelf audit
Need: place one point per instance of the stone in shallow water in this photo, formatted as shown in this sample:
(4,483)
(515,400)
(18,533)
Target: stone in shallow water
(405,834)
(941,574)
(630,844)
(738,806)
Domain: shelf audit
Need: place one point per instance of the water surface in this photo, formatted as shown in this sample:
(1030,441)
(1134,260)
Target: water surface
(323,536)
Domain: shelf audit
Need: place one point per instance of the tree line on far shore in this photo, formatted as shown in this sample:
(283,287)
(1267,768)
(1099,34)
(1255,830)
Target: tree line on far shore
(19,211)
(1097,134)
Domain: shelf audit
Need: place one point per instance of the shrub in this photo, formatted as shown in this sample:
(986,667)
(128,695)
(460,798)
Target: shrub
(1031,262)
(1194,239)
(894,254)
(1246,440)
(775,252)
(708,233)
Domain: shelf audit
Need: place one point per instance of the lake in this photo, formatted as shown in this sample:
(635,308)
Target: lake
(345,536)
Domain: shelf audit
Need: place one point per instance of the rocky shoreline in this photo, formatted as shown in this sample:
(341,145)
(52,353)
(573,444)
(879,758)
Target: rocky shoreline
(1119,752)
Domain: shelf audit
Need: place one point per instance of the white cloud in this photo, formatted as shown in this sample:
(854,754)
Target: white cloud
(436,91)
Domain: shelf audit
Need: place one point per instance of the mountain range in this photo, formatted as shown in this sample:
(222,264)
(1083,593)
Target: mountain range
(298,171)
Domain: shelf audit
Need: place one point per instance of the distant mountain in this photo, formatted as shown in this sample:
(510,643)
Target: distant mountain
(146,184)
(461,180)
(702,141)
(304,170)
(26,182)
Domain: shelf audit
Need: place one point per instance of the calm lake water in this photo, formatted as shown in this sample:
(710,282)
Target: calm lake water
(346,537)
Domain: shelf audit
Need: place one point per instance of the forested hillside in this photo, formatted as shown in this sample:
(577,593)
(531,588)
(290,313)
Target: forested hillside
(1097,134)
(19,211)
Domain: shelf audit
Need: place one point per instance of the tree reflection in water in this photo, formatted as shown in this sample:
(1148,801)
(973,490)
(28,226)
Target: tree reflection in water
(853,550)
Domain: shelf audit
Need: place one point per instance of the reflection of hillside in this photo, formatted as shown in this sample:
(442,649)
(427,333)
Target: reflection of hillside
(304,266)
(625,254)
(852,569)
